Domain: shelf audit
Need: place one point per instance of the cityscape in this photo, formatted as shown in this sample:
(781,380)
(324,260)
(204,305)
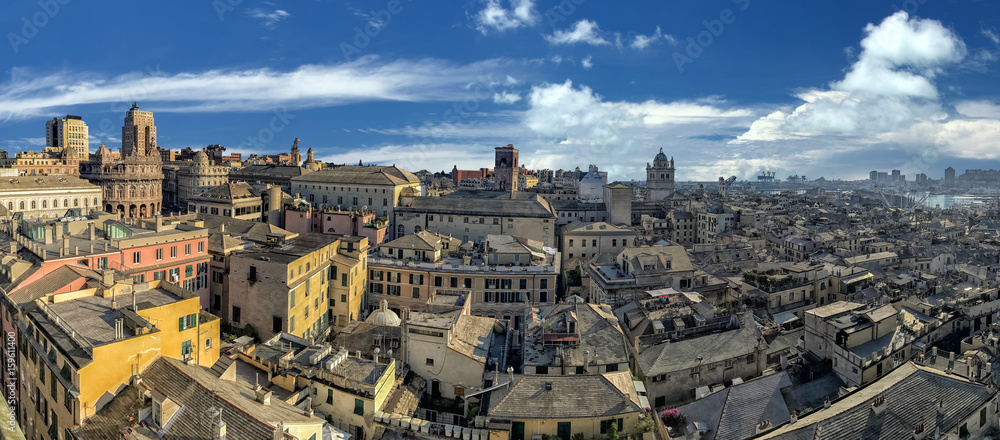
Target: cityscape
(386,243)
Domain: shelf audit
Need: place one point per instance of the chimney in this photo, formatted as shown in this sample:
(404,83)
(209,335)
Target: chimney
(763,426)
(586,360)
(919,433)
(48,235)
(57,232)
(279,431)
(65,243)
(222,227)
(91,232)
(108,277)
(878,404)
(940,407)
(262,395)
(158,219)
(826,403)
(793,417)
(309,407)
(13,247)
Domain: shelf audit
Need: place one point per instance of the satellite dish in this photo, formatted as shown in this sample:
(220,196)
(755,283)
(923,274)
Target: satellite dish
(549,250)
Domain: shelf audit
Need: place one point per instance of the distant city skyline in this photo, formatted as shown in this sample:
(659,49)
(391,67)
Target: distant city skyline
(729,87)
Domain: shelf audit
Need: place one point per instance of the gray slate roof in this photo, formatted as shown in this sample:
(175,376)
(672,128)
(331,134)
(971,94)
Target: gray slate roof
(566,397)
(911,395)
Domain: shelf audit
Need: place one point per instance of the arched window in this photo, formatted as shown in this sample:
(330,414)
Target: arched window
(65,203)
(76,203)
(34,204)
(131,191)
(22,205)
(45,204)
(416,229)
(55,203)
(95,201)
(10,206)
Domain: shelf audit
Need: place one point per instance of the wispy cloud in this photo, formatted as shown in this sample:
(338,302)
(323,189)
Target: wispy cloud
(643,41)
(584,31)
(495,17)
(587,62)
(991,35)
(268,18)
(30,94)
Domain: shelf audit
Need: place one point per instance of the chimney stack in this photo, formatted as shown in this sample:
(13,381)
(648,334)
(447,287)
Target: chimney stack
(91,232)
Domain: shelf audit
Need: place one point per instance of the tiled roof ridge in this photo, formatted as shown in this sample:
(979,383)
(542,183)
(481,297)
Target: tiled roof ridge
(213,393)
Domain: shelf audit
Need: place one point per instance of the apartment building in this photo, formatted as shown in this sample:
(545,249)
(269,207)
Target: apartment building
(377,188)
(289,285)
(500,279)
(471,217)
(82,335)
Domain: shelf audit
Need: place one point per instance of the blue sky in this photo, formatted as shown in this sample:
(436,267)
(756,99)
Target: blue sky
(727,87)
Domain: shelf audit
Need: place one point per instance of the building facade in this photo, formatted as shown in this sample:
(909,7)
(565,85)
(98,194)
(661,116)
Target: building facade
(47,197)
(355,187)
(68,134)
(133,184)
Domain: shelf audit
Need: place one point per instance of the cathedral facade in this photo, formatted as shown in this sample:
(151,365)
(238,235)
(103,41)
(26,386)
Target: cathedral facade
(132,183)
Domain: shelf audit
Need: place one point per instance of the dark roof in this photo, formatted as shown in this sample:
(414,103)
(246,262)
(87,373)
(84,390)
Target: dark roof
(506,205)
(911,395)
(230,191)
(733,413)
(362,175)
(196,390)
(683,354)
(564,397)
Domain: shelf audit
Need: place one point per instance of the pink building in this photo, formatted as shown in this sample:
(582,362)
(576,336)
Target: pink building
(335,221)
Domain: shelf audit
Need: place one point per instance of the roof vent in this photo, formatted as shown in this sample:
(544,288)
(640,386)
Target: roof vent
(548,386)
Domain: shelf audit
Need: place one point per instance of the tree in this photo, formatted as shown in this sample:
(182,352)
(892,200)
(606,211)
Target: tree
(613,431)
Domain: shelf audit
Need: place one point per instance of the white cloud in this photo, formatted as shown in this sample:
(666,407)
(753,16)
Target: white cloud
(506,98)
(587,62)
(978,109)
(367,79)
(888,88)
(579,115)
(494,16)
(643,41)
(269,19)
(992,36)
(584,31)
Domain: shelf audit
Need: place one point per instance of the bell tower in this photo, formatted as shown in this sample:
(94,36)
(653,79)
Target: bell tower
(660,177)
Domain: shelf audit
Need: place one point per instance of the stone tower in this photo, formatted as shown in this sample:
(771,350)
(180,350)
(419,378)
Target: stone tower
(505,168)
(660,177)
(295,157)
(138,133)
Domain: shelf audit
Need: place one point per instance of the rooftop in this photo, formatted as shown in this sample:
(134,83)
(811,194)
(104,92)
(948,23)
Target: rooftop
(564,397)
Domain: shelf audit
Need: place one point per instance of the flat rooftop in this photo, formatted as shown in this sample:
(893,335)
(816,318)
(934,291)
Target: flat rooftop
(93,319)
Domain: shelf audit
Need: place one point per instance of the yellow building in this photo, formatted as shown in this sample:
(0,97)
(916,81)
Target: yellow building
(562,406)
(67,134)
(348,280)
(302,269)
(175,400)
(83,335)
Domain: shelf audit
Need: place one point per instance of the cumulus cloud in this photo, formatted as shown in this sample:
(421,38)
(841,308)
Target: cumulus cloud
(890,86)
(584,31)
(520,13)
(268,18)
(587,62)
(562,108)
(28,94)
(978,109)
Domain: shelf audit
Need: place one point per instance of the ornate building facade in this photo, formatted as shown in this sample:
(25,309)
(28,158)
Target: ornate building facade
(133,184)
(660,178)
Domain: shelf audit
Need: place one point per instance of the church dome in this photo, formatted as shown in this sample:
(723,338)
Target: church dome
(384,316)
(660,157)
